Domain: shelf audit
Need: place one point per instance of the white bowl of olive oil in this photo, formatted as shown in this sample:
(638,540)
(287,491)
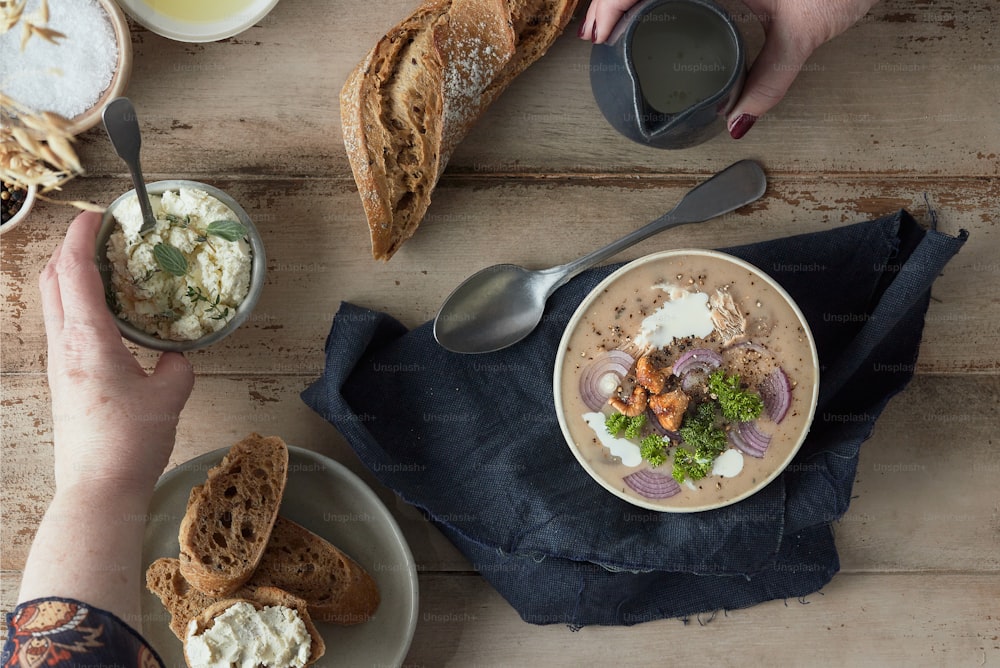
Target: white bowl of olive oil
(197,20)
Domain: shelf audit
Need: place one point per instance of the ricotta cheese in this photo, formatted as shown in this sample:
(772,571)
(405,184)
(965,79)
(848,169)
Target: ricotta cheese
(160,303)
(245,637)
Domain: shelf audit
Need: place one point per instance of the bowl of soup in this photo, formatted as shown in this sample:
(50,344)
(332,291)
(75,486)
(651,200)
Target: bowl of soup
(686,380)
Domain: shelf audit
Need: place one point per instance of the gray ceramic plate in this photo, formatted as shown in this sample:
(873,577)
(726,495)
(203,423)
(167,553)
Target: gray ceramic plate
(325,497)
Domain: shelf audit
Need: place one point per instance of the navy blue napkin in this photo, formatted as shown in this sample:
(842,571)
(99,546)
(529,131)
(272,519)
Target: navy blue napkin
(474,443)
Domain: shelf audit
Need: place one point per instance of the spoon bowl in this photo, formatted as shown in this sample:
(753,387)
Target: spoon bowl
(489,307)
(500,305)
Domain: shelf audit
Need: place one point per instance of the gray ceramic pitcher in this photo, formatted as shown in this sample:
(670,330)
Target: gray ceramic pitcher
(669,72)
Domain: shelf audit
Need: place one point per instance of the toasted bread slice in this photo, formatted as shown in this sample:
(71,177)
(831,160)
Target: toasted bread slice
(182,601)
(229,518)
(259,598)
(336,588)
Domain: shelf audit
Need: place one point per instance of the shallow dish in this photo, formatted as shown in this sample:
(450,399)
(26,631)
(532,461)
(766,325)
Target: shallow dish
(243,311)
(197,20)
(326,498)
(689,314)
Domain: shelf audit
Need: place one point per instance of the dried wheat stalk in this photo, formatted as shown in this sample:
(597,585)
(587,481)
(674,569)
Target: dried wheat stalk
(35,148)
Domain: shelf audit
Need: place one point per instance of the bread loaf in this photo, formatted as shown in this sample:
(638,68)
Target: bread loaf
(228,521)
(335,587)
(260,598)
(421,88)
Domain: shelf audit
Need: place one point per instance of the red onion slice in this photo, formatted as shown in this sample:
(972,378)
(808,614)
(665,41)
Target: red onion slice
(617,362)
(748,439)
(697,359)
(776,391)
(652,485)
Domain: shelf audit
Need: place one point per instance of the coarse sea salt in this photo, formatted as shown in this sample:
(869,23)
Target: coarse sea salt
(69,77)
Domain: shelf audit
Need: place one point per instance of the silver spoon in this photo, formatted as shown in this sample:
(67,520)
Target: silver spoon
(498,306)
(122,126)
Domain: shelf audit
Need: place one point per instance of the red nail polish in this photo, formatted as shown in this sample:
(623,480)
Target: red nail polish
(741,125)
(593,33)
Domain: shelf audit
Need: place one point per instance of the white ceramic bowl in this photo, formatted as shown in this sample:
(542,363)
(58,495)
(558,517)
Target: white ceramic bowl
(22,213)
(805,394)
(257,269)
(167,17)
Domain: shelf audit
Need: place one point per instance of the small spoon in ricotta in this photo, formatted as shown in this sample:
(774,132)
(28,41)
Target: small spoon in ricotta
(122,126)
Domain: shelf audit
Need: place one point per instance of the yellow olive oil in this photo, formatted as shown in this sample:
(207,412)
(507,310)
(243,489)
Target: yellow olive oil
(199,11)
(683,54)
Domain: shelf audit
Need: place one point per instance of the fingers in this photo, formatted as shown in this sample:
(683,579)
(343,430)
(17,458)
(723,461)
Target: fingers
(80,288)
(48,285)
(602,17)
(176,375)
(780,61)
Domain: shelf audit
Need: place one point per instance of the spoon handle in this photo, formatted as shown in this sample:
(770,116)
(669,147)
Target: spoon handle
(122,126)
(735,186)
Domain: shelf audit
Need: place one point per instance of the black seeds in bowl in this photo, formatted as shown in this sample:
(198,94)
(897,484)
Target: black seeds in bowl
(11,198)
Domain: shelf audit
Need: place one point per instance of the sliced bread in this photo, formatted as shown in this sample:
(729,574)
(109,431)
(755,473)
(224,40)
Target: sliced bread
(336,588)
(182,601)
(259,598)
(229,517)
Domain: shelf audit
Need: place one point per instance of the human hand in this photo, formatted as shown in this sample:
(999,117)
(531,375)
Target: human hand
(793,29)
(113,423)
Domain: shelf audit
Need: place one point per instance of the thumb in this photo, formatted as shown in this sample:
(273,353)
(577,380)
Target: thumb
(175,375)
(780,61)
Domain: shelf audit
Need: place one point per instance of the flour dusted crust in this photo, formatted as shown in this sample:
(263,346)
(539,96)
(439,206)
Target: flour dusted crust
(419,91)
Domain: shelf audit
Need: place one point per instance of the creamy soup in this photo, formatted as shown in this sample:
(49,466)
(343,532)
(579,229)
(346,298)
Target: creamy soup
(708,372)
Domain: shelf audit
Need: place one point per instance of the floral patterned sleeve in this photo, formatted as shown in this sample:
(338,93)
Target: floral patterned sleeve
(53,632)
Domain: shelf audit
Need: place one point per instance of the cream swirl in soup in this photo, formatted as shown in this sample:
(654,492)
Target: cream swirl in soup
(687,381)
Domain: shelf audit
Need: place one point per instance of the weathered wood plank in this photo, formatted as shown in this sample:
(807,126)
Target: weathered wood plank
(857,620)
(318,254)
(908,91)
(925,495)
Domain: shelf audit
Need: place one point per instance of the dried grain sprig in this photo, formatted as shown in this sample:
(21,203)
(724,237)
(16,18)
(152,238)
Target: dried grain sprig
(12,13)
(37,149)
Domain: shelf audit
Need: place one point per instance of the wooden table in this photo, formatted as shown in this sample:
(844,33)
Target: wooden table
(901,111)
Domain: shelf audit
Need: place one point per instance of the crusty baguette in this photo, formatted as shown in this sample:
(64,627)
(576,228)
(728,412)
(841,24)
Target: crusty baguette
(336,588)
(229,518)
(422,87)
(261,597)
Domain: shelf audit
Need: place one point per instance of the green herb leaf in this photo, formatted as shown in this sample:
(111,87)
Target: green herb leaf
(170,259)
(230,230)
(616,422)
(653,449)
(737,404)
(700,432)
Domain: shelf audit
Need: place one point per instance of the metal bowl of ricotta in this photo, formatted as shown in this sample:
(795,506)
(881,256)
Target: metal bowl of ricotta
(216,315)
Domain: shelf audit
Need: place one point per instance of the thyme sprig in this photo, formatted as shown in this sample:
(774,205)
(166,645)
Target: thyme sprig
(212,306)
